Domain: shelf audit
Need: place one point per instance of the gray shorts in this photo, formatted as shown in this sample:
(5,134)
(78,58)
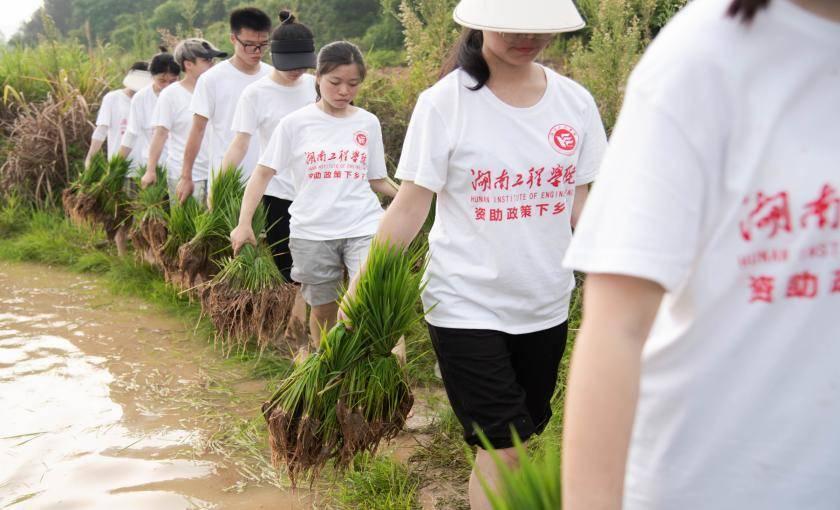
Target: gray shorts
(199,191)
(319,265)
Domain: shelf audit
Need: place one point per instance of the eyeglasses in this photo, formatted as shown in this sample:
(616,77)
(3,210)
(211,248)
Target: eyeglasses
(252,48)
(514,36)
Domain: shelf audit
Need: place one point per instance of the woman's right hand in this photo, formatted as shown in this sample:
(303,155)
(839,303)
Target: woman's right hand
(240,236)
(148,179)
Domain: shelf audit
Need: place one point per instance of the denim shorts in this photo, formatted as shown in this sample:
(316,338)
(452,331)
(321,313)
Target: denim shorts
(319,266)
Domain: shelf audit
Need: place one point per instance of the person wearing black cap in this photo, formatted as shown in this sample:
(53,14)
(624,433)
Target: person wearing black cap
(172,119)
(217,91)
(261,107)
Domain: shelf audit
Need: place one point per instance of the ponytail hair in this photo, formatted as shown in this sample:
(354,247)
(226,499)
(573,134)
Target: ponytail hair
(746,9)
(468,56)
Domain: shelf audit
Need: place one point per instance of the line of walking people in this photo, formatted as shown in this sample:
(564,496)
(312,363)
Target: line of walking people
(682,392)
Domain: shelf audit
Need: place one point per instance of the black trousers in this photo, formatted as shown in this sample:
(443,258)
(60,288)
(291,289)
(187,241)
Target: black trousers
(277,233)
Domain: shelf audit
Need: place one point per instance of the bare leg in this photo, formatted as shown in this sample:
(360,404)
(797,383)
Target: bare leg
(296,334)
(322,317)
(484,464)
(121,240)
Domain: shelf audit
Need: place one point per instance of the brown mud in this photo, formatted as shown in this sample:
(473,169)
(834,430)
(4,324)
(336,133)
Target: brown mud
(107,404)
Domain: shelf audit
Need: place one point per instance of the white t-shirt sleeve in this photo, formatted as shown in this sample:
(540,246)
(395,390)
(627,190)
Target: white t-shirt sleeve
(593,147)
(103,117)
(377,168)
(134,128)
(644,215)
(202,102)
(277,154)
(162,115)
(425,154)
(246,116)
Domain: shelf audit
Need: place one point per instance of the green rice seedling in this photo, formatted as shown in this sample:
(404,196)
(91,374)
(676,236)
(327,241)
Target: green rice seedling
(363,394)
(149,213)
(199,258)
(77,200)
(180,228)
(384,306)
(111,202)
(534,484)
(249,299)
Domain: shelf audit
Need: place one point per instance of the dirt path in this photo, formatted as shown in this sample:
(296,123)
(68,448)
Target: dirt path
(106,404)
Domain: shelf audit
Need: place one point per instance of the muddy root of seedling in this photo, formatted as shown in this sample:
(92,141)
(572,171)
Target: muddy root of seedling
(296,442)
(240,315)
(360,435)
(194,261)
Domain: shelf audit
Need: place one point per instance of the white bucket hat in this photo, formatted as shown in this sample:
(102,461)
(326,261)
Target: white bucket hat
(137,79)
(526,16)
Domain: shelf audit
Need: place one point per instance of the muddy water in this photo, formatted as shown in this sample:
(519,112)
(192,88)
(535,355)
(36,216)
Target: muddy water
(106,404)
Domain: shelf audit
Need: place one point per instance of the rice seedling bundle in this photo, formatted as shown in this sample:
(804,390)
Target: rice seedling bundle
(149,213)
(111,202)
(249,299)
(180,226)
(352,393)
(534,484)
(77,199)
(199,257)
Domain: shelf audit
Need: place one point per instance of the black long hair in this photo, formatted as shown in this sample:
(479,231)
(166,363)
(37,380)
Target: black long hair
(164,62)
(746,9)
(337,54)
(468,56)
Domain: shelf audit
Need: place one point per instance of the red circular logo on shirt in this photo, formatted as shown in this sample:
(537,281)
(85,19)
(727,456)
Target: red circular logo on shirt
(361,138)
(563,138)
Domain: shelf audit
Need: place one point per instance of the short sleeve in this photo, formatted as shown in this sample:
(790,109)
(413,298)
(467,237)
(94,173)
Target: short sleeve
(425,154)
(593,146)
(134,127)
(644,215)
(376,154)
(202,98)
(277,153)
(246,116)
(103,117)
(162,115)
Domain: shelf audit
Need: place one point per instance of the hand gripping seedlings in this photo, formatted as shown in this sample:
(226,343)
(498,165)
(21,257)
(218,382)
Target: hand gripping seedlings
(352,393)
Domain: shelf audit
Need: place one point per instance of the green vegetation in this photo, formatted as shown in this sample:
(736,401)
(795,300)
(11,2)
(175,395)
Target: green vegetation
(380,483)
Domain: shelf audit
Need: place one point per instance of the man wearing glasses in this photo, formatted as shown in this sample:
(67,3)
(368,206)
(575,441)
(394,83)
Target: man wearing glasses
(217,92)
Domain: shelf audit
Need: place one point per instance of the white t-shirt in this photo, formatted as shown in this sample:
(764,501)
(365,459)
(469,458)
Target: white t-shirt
(113,113)
(721,184)
(140,127)
(331,161)
(261,107)
(505,180)
(215,97)
(173,112)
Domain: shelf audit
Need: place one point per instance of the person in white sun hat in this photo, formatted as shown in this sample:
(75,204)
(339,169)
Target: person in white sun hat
(112,118)
(509,147)
(705,375)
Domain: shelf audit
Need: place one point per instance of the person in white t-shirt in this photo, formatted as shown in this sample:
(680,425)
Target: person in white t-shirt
(509,148)
(335,155)
(172,120)
(112,118)
(262,105)
(217,92)
(705,374)
(138,134)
